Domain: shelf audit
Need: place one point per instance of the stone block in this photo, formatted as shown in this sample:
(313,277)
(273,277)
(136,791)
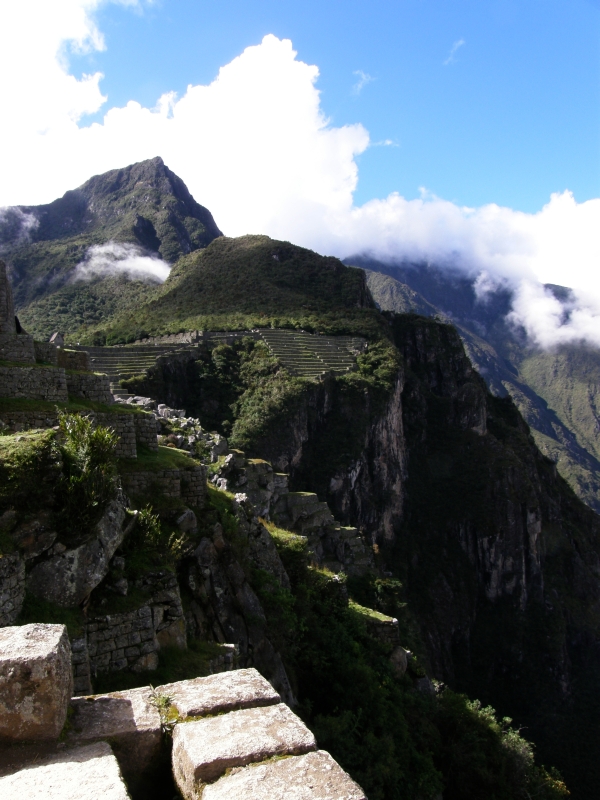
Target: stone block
(314,776)
(36,681)
(242,688)
(203,750)
(128,720)
(79,774)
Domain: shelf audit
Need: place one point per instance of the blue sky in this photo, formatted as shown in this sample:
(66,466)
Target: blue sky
(460,132)
(511,117)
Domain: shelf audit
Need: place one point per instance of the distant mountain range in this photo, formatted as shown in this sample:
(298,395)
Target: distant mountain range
(558,392)
(148,209)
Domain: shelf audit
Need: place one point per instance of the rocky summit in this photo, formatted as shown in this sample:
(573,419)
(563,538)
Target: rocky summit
(343,563)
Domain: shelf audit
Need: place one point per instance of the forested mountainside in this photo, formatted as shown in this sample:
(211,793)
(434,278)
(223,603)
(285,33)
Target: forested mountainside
(481,550)
(557,391)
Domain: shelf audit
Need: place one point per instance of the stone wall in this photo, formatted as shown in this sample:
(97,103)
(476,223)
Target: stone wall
(145,430)
(48,352)
(7,309)
(17,348)
(187,484)
(132,640)
(89,386)
(12,588)
(34,383)
(74,359)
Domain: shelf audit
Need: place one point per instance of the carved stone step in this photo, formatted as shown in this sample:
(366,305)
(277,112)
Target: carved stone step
(215,694)
(79,774)
(204,750)
(314,776)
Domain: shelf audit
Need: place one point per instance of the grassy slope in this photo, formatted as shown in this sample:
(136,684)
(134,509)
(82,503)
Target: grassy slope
(256,281)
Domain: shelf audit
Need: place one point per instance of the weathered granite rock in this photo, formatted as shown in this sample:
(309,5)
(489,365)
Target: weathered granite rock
(243,688)
(36,682)
(129,720)
(314,776)
(203,750)
(67,578)
(80,774)
(34,536)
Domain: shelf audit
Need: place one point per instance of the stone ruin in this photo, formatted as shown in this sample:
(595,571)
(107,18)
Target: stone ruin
(222,736)
(41,370)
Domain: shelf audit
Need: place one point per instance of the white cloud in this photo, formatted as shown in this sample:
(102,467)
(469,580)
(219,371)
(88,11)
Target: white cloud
(115,258)
(453,50)
(15,226)
(255,147)
(363,79)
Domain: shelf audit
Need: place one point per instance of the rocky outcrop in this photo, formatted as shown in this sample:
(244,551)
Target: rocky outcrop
(225,608)
(68,577)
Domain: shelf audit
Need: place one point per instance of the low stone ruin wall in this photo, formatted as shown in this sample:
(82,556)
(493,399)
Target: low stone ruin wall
(73,359)
(45,351)
(12,588)
(89,386)
(145,430)
(34,383)
(187,484)
(17,348)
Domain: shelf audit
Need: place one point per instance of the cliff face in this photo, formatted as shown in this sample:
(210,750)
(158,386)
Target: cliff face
(497,557)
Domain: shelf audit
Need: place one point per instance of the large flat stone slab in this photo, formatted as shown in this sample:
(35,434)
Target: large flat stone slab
(228,691)
(314,776)
(204,749)
(79,774)
(36,681)
(129,720)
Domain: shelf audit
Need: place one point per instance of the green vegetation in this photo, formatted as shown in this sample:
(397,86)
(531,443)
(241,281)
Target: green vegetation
(89,473)
(238,284)
(29,469)
(156,460)
(395,741)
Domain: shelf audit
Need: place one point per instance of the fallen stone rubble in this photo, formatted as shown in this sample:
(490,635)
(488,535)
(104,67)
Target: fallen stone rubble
(232,737)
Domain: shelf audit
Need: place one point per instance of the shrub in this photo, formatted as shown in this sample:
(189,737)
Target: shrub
(89,473)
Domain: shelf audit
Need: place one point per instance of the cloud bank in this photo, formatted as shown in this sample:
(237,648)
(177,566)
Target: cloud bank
(256,148)
(116,258)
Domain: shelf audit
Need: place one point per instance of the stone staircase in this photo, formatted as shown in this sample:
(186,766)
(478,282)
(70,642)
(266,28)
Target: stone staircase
(232,737)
